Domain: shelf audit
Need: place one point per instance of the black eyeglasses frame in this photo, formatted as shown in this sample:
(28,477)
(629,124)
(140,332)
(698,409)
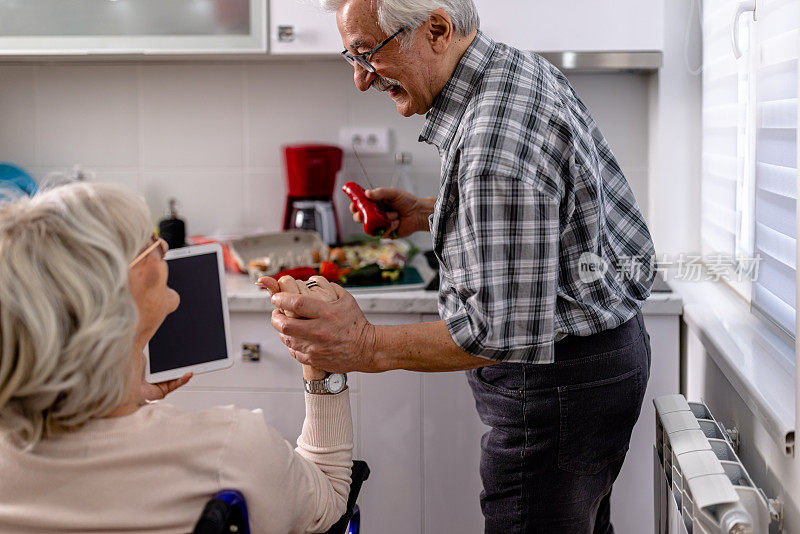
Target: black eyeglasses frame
(363,59)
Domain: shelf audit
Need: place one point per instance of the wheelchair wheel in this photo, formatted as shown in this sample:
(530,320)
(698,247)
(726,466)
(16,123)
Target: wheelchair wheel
(355,522)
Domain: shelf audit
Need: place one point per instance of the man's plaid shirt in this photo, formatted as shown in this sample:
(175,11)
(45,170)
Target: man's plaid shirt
(536,229)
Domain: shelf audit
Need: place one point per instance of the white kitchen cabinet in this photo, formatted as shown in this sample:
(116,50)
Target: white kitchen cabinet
(302,27)
(391,443)
(452,451)
(420,432)
(575,25)
(148,27)
(632,497)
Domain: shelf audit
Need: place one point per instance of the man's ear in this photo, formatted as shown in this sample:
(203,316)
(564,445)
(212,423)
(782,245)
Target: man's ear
(439,30)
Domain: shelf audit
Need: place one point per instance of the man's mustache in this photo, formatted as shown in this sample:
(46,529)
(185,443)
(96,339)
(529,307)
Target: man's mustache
(383,84)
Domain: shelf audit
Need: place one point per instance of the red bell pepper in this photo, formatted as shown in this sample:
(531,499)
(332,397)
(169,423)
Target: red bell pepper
(298,273)
(329,271)
(375,220)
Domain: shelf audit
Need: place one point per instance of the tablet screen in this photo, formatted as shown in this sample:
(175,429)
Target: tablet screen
(195,332)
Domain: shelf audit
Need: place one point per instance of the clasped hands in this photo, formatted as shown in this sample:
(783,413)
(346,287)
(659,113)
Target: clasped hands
(322,325)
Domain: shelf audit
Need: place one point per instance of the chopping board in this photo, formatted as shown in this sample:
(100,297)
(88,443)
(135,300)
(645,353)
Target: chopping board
(409,280)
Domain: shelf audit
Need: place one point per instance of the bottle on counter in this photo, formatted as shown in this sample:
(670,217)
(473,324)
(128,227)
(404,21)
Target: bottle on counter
(402,173)
(172,229)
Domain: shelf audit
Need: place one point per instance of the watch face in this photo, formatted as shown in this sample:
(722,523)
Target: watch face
(336,382)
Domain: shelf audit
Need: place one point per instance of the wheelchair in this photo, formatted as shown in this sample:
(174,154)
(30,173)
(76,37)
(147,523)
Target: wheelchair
(226,512)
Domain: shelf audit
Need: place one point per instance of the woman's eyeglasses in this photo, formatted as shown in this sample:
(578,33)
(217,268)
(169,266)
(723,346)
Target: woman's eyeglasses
(155,242)
(363,59)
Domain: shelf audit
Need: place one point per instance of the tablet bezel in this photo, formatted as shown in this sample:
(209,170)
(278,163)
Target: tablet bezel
(223,363)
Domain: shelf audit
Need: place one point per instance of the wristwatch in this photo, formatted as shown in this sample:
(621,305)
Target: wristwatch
(330,385)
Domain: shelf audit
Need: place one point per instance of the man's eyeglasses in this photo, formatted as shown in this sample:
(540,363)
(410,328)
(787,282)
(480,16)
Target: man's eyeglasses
(155,242)
(363,59)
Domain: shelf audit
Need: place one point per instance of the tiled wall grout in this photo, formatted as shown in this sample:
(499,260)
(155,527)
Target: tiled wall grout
(140,126)
(246,177)
(37,146)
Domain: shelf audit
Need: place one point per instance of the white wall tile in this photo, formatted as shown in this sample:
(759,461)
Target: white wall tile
(146,125)
(210,202)
(265,199)
(18,115)
(86,114)
(126,178)
(293,103)
(372,108)
(191,115)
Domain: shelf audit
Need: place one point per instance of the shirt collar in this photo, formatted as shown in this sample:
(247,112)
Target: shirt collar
(444,117)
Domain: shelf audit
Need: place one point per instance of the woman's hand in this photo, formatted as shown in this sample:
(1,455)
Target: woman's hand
(407,212)
(152,392)
(320,289)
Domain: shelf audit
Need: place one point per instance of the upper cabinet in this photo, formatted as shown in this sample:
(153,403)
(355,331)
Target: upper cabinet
(302,27)
(82,27)
(72,28)
(575,25)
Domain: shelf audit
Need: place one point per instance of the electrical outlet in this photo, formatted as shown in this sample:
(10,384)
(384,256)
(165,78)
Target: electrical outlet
(365,140)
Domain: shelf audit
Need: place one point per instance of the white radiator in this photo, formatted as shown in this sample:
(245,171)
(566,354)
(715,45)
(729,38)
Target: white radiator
(701,487)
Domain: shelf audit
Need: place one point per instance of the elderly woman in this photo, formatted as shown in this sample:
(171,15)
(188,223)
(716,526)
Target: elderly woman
(83,287)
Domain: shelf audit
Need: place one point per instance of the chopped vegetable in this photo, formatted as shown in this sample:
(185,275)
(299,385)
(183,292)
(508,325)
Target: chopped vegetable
(368,275)
(391,275)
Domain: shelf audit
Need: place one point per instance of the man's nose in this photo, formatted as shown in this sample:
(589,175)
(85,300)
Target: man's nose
(363,78)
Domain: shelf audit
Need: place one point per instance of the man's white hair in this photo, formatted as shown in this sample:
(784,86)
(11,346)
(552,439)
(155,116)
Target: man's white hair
(67,317)
(410,14)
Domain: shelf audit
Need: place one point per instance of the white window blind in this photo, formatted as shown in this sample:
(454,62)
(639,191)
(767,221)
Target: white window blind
(749,181)
(777,42)
(725,111)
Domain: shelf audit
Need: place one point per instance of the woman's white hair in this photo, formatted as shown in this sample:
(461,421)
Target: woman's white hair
(410,14)
(67,317)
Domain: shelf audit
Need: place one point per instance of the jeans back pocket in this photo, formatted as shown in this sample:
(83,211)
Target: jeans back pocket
(596,421)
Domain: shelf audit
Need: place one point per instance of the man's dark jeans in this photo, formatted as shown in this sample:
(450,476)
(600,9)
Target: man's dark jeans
(559,432)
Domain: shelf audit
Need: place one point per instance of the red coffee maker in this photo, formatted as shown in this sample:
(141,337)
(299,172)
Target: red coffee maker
(311,178)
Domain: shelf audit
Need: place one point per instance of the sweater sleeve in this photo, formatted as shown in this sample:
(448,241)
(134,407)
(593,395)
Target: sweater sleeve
(292,490)
(327,442)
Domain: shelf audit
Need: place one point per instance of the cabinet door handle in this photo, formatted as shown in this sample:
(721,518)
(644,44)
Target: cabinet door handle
(745,6)
(285,34)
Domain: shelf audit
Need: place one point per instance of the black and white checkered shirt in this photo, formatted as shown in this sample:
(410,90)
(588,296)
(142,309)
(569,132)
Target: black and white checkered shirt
(536,229)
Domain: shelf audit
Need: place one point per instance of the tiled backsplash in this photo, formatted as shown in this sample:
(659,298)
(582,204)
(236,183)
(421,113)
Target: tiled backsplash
(210,134)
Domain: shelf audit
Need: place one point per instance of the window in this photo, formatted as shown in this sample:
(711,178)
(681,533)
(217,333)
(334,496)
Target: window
(750,120)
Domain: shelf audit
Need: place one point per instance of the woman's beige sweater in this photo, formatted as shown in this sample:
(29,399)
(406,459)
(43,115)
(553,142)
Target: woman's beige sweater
(154,470)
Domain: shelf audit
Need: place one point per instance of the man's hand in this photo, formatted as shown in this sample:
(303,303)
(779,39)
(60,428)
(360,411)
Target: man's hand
(321,291)
(152,392)
(334,336)
(407,213)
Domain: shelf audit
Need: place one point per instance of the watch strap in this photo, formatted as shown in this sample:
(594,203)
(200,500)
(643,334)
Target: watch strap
(316,387)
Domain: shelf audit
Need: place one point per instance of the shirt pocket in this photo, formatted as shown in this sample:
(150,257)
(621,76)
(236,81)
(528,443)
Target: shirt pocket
(596,421)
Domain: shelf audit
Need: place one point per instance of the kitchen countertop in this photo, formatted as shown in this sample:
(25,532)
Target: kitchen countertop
(244,296)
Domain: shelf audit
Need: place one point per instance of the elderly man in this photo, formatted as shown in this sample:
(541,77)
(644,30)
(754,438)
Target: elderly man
(545,262)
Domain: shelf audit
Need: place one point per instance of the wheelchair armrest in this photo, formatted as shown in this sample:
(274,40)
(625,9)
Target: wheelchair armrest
(359,474)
